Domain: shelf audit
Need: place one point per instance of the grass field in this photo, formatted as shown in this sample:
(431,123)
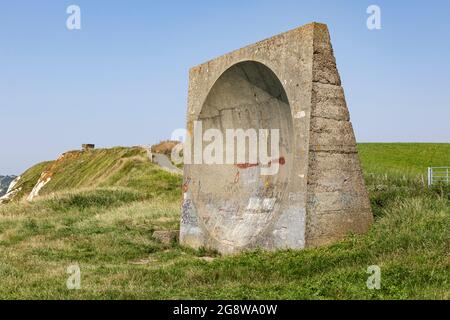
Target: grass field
(106,229)
(410,159)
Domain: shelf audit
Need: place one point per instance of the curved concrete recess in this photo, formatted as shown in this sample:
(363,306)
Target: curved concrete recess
(235,201)
(317,195)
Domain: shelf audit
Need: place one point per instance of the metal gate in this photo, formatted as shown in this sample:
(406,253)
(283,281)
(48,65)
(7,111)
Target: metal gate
(438,175)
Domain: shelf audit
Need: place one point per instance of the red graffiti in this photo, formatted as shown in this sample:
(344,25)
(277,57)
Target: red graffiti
(237,177)
(185,186)
(281,161)
(246,165)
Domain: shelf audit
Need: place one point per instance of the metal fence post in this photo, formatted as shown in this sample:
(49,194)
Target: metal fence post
(447,175)
(429,177)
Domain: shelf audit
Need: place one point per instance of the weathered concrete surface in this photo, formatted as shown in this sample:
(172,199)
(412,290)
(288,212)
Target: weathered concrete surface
(289,82)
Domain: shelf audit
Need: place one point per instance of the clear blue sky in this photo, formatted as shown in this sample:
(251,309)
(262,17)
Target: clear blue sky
(122,79)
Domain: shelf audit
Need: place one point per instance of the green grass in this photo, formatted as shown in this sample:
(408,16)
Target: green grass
(410,159)
(106,230)
(117,167)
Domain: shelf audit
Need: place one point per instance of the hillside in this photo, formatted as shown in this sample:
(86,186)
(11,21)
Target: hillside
(103,218)
(100,168)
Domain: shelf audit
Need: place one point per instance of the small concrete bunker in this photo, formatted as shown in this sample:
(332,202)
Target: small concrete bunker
(288,85)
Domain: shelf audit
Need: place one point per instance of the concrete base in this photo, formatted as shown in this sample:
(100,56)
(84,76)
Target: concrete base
(289,82)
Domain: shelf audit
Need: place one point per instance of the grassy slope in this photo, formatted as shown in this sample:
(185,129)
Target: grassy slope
(107,231)
(29,179)
(116,167)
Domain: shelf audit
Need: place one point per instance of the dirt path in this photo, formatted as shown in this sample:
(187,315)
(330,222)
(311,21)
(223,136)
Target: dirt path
(164,162)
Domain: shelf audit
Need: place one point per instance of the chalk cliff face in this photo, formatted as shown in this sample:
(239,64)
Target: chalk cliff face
(5,181)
